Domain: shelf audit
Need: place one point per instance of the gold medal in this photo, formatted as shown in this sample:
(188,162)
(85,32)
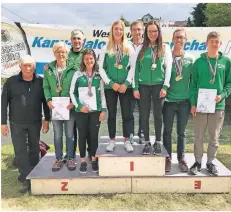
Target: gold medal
(120,66)
(212,81)
(58,90)
(179,77)
(153,66)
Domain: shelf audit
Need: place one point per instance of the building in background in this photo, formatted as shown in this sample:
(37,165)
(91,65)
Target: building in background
(163,23)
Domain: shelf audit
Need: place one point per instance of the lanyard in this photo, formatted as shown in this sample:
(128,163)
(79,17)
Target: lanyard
(153,54)
(59,76)
(178,64)
(89,83)
(212,71)
(118,54)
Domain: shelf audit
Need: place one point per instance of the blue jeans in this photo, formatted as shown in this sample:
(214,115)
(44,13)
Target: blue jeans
(181,109)
(58,137)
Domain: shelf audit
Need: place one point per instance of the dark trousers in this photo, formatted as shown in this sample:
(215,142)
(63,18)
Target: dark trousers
(76,138)
(125,104)
(25,139)
(148,93)
(182,110)
(133,104)
(88,128)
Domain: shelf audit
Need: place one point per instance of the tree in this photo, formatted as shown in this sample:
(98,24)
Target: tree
(126,22)
(189,22)
(198,15)
(218,15)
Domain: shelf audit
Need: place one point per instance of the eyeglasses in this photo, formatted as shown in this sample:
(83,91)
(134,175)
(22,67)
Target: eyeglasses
(152,31)
(180,37)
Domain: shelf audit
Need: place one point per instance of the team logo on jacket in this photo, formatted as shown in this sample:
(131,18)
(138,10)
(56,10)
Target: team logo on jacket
(221,66)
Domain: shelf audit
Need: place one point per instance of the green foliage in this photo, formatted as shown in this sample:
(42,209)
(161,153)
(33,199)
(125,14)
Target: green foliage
(189,22)
(198,15)
(218,15)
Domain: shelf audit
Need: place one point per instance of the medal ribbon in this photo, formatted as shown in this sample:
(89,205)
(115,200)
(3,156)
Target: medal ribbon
(178,66)
(89,82)
(153,54)
(212,71)
(118,54)
(59,76)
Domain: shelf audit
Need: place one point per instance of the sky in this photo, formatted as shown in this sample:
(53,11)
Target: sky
(92,13)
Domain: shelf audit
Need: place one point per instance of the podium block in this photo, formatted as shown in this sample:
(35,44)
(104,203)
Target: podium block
(121,163)
(122,172)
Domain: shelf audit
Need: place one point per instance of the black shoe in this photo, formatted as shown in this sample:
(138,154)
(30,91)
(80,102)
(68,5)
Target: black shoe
(25,186)
(157,148)
(147,148)
(95,166)
(211,168)
(196,167)
(65,159)
(83,167)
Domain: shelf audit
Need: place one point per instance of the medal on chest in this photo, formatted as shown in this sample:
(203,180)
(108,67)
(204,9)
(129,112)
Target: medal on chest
(179,67)
(153,55)
(212,71)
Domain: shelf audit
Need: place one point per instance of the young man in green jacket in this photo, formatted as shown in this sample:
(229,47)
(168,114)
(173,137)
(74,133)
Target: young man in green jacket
(211,71)
(177,100)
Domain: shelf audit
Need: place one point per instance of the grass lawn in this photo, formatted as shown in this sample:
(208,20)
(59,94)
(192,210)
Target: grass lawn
(13,200)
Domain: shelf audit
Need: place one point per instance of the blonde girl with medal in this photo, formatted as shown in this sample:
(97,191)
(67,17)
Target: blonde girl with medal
(56,83)
(88,119)
(117,73)
(152,77)
(212,70)
(177,100)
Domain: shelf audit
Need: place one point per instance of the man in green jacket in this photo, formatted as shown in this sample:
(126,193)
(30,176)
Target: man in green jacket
(75,57)
(212,70)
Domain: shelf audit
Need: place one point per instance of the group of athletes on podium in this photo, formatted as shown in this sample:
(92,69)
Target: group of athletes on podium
(142,71)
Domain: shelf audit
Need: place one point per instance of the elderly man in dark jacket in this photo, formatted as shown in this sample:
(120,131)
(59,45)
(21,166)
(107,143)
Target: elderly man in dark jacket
(24,95)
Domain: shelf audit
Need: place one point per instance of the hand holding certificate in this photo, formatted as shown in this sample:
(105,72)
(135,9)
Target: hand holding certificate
(60,110)
(206,102)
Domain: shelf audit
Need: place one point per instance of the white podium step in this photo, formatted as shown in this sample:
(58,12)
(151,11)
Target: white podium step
(44,181)
(121,163)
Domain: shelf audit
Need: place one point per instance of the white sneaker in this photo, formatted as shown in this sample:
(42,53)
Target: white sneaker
(128,147)
(111,145)
(131,138)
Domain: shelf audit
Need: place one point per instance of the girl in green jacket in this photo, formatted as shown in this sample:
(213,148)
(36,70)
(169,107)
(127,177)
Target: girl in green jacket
(117,73)
(87,94)
(152,77)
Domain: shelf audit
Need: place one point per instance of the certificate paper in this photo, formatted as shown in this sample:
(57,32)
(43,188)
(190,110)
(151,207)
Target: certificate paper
(89,101)
(206,100)
(60,112)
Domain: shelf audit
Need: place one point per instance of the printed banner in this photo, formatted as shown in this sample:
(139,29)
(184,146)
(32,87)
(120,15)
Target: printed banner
(38,40)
